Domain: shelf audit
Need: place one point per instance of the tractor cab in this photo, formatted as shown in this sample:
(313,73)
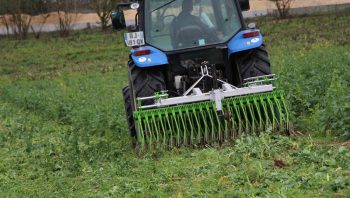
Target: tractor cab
(178,25)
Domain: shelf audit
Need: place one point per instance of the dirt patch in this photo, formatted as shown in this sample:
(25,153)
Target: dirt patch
(280,163)
(346,143)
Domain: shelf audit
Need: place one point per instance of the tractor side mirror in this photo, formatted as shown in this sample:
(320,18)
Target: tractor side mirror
(118,16)
(252,25)
(118,20)
(244,4)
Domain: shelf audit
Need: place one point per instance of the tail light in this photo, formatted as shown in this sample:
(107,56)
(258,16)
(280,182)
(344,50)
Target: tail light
(251,34)
(142,52)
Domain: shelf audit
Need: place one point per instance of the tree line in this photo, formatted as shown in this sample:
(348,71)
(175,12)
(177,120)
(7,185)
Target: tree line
(17,15)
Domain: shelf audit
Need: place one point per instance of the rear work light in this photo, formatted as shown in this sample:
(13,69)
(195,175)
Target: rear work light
(142,52)
(251,34)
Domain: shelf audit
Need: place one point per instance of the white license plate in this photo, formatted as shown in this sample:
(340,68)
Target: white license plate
(134,39)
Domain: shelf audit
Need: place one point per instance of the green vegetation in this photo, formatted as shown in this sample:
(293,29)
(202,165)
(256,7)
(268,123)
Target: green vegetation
(63,132)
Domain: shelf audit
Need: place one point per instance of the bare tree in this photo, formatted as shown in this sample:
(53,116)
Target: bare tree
(37,32)
(17,15)
(4,21)
(103,9)
(3,18)
(67,14)
(283,7)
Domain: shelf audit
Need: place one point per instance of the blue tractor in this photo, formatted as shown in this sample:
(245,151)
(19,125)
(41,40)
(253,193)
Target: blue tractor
(197,74)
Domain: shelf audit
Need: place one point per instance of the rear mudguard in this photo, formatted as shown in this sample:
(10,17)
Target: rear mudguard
(158,58)
(155,58)
(239,43)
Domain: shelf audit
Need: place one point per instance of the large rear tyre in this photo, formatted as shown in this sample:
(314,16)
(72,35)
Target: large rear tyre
(254,63)
(129,114)
(142,83)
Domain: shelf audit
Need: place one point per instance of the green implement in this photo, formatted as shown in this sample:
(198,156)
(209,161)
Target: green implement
(206,123)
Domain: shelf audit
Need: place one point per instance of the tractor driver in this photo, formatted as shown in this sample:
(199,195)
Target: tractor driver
(188,30)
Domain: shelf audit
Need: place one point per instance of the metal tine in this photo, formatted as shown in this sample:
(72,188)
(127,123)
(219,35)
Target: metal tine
(238,113)
(271,111)
(220,135)
(246,121)
(170,128)
(206,128)
(184,127)
(176,125)
(266,113)
(212,124)
(148,134)
(160,118)
(216,126)
(190,121)
(258,110)
(232,121)
(199,127)
(280,113)
(286,111)
(155,129)
(141,131)
(226,122)
(251,117)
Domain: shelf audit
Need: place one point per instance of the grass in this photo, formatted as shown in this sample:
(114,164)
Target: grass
(63,133)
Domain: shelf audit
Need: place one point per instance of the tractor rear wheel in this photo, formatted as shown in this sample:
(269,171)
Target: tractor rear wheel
(129,115)
(142,83)
(254,63)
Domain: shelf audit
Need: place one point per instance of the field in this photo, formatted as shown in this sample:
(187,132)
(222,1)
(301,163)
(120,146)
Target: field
(63,132)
